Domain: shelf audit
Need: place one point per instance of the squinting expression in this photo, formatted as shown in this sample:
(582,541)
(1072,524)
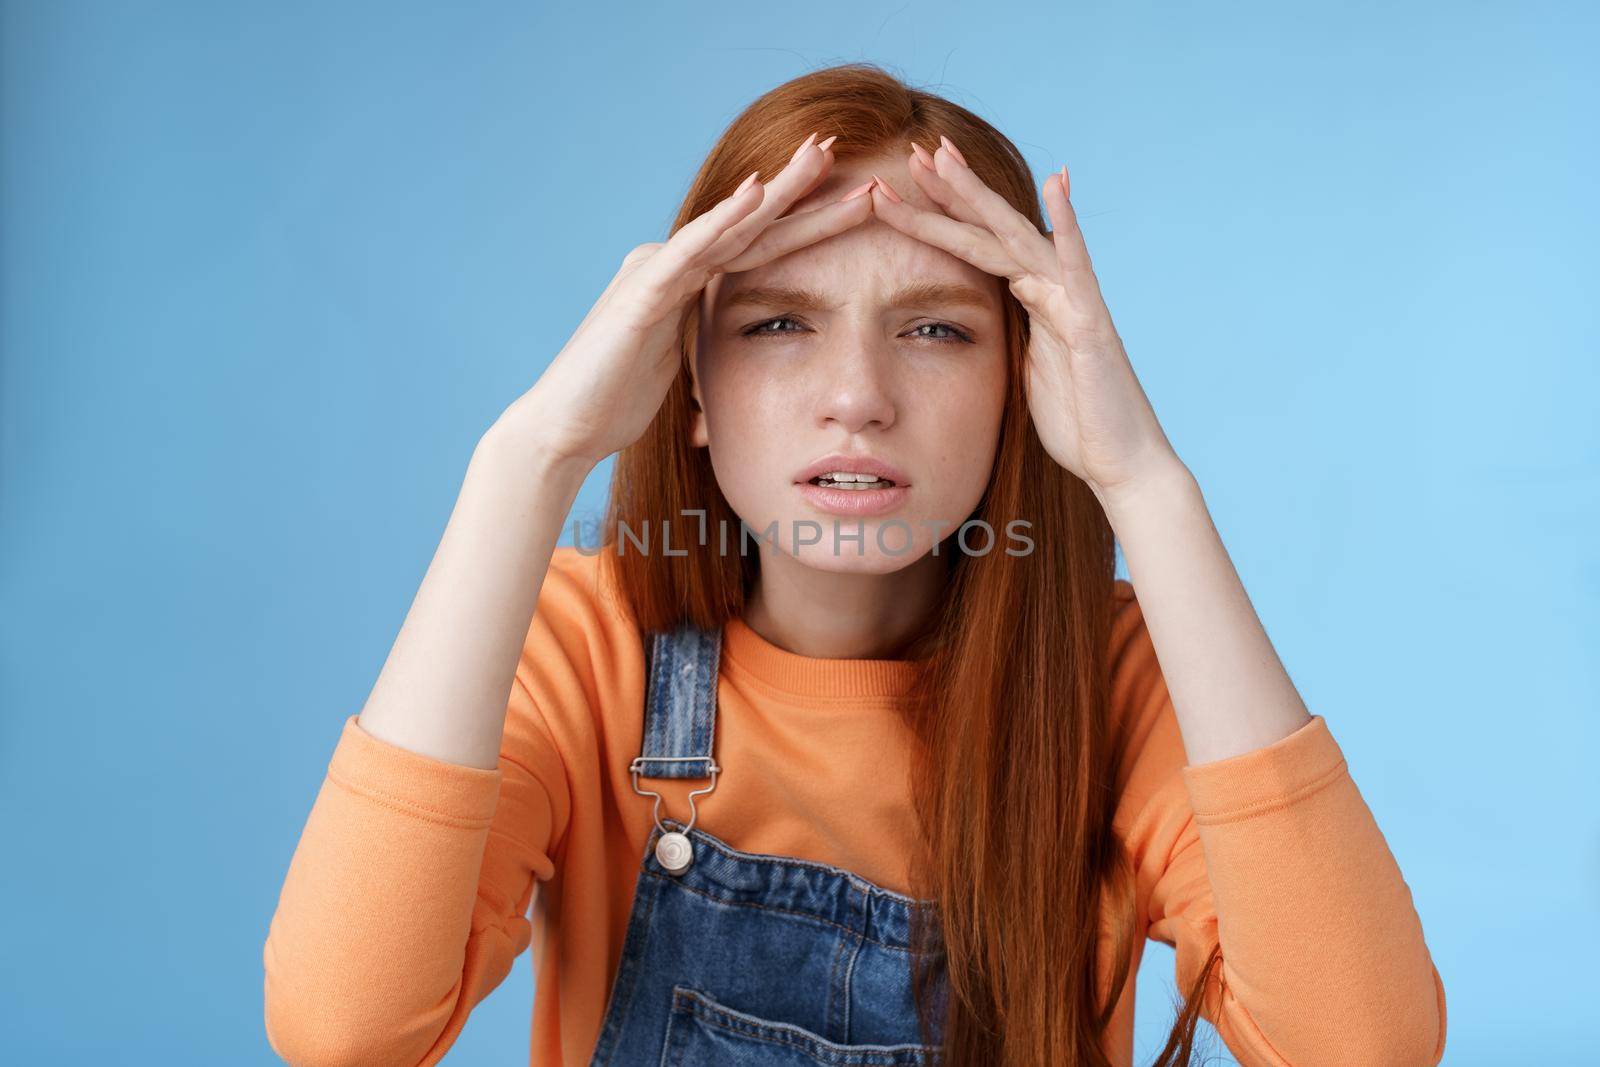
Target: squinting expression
(867,343)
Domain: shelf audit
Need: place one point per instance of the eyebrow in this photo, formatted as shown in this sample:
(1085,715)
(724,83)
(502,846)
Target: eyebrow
(917,294)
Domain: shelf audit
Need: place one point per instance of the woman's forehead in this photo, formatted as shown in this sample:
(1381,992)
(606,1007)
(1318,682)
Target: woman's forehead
(872,259)
(867,263)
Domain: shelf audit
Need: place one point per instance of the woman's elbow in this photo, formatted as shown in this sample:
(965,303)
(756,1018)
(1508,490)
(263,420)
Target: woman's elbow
(1412,1031)
(304,1033)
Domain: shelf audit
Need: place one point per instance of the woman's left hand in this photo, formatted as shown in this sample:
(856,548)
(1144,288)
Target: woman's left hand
(1091,414)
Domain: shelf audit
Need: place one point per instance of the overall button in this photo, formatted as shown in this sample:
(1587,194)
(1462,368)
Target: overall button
(674,852)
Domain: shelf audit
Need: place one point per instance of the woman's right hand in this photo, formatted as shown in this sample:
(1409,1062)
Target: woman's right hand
(606,384)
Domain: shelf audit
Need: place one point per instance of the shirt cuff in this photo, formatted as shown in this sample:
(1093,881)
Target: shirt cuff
(1266,778)
(435,789)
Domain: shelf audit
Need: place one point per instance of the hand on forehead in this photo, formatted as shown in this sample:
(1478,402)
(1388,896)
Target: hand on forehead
(870,257)
(851,173)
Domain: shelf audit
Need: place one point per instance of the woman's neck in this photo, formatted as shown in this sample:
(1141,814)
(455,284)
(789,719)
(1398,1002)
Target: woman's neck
(845,615)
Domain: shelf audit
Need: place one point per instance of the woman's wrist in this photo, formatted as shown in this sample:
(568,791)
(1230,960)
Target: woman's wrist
(1163,481)
(524,444)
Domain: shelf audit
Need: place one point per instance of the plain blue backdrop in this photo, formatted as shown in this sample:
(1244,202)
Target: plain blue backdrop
(269,270)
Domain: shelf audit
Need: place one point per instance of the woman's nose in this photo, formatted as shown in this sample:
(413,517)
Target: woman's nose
(856,391)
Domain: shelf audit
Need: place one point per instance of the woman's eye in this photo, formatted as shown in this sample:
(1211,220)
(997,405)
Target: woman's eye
(953,334)
(766,327)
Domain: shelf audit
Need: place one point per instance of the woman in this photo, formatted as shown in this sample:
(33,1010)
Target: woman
(846,747)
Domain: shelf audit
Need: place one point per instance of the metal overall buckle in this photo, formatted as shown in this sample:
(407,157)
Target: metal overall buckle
(674,851)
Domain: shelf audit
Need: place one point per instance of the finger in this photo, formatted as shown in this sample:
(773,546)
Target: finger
(796,231)
(824,147)
(936,188)
(1022,239)
(657,280)
(695,238)
(806,168)
(1078,281)
(975,244)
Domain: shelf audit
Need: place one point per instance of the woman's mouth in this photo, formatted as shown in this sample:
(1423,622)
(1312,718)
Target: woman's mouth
(853,483)
(847,493)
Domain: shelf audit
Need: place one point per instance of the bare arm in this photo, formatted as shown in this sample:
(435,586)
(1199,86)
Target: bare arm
(442,690)
(1229,688)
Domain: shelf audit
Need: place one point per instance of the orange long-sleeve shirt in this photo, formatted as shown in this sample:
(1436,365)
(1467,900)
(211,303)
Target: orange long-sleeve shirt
(408,896)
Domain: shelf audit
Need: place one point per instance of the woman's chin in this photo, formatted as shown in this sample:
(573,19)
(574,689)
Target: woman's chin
(848,556)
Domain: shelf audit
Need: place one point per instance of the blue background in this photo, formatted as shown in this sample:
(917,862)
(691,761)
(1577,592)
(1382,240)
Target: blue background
(269,270)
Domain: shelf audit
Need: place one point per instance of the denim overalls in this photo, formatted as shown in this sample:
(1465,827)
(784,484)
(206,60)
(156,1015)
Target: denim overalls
(742,958)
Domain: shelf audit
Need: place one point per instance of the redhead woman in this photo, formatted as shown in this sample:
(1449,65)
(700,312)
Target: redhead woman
(842,743)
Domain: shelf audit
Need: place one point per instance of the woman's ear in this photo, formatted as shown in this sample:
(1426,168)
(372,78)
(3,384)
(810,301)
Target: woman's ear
(698,437)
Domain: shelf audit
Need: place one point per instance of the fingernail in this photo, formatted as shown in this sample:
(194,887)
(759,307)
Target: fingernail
(858,190)
(824,145)
(746,183)
(887,189)
(802,148)
(922,154)
(950,146)
(1066,184)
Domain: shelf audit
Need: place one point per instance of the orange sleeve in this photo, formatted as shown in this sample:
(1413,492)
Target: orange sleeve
(406,900)
(1275,854)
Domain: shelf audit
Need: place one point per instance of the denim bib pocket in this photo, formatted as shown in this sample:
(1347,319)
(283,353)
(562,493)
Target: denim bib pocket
(700,1031)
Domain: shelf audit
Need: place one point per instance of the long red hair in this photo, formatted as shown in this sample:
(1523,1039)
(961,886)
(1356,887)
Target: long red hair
(1016,767)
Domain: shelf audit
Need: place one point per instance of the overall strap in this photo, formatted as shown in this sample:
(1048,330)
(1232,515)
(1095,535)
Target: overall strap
(680,714)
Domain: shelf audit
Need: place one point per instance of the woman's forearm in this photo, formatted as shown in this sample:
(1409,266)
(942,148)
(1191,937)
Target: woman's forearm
(1230,693)
(442,691)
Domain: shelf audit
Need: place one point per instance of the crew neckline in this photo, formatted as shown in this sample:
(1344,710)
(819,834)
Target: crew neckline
(816,677)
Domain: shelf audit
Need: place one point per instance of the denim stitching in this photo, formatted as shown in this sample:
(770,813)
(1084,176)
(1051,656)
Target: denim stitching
(813,916)
(680,716)
(850,969)
(814,865)
(690,1001)
(833,986)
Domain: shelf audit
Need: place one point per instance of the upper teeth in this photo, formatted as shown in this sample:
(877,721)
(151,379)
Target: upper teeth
(852,480)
